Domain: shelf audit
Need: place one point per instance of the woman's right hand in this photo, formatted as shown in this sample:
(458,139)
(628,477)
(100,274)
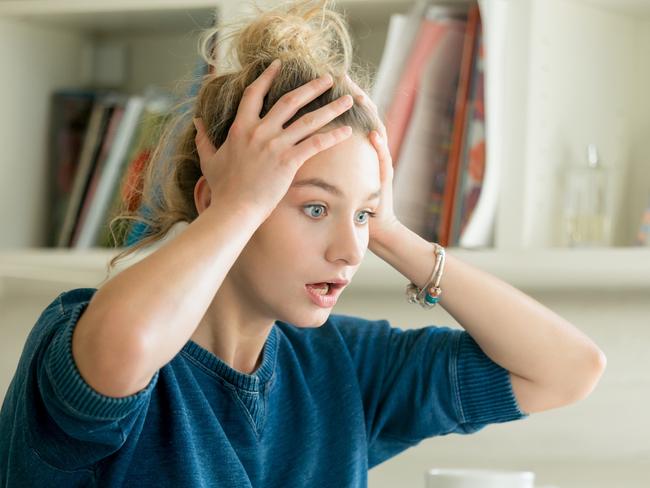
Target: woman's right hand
(259,158)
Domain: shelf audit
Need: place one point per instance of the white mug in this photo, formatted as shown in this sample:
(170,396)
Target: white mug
(478,478)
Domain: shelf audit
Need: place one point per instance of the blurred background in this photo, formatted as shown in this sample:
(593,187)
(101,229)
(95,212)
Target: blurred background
(519,134)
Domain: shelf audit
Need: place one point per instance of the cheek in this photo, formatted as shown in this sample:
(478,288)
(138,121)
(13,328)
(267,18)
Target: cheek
(284,236)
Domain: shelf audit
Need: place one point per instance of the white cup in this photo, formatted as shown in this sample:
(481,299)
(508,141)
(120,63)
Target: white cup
(478,478)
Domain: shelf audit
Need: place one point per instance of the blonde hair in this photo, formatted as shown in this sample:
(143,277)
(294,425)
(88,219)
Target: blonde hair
(309,37)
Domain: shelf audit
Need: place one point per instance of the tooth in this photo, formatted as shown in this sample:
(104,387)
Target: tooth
(321,290)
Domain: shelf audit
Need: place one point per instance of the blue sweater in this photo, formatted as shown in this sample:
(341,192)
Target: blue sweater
(326,405)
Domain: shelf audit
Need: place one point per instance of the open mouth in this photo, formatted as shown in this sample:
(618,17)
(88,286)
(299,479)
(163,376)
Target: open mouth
(324,288)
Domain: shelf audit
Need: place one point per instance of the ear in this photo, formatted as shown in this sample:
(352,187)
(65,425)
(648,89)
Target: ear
(202,194)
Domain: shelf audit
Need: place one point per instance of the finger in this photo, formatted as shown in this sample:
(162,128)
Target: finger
(385,159)
(361,98)
(315,120)
(356,89)
(317,143)
(252,100)
(204,146)
(289,103)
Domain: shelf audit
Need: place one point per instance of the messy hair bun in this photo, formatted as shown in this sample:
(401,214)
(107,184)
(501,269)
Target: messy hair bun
(309,37)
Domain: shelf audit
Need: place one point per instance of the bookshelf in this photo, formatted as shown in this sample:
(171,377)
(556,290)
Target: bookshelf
(570,72)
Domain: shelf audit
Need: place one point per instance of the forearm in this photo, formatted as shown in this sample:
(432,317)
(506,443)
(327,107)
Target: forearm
(142,317)
(515,331)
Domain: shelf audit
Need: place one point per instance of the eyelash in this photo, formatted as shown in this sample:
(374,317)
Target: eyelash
(368,212)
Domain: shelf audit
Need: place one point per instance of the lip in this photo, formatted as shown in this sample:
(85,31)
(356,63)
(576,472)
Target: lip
(326,301)
(336,281)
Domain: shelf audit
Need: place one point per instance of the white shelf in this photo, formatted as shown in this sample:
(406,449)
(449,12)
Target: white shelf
(566,270)
(161,15)
(627,7)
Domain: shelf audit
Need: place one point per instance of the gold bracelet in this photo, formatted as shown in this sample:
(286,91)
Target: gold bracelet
(429,295)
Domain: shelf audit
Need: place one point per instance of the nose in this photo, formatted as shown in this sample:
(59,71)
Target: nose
(348,242)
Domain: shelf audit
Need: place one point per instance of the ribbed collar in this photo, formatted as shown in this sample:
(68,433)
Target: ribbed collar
(250,382)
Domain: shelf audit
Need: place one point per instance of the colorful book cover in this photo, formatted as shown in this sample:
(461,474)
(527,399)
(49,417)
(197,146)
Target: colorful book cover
(401,107)
(472,168)
(425,149)
(643,236)
(130,188)
(460,122)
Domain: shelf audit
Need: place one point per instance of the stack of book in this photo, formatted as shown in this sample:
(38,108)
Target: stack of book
(430,90)
(100,144)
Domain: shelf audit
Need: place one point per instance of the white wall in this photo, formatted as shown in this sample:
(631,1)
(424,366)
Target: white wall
(35,61)
(639,177)
(581,90)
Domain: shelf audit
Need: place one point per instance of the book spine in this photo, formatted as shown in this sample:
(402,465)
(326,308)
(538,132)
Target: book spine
(460,119)
(111,172)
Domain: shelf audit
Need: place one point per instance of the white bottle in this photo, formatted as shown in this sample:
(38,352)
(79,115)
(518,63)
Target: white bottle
(587,220)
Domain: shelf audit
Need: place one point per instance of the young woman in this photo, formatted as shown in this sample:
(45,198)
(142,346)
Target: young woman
(216,361)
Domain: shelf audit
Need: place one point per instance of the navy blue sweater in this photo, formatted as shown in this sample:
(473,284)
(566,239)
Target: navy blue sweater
(326,405)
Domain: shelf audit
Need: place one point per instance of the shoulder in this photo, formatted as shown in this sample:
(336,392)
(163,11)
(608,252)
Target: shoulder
(70,299)
(58,313)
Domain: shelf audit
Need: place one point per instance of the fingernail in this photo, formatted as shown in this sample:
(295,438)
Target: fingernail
(275,63)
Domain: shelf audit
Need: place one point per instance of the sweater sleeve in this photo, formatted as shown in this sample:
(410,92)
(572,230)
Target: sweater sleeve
(421,383)
(69,424)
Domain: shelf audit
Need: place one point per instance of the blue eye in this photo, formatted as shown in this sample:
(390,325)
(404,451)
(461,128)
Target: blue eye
(315,206)
(320,210)
(367,215)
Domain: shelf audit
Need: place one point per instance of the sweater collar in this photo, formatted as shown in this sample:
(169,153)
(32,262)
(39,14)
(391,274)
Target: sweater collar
(251,382)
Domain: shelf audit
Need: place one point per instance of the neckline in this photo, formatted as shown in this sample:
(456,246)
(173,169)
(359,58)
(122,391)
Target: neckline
(250,382)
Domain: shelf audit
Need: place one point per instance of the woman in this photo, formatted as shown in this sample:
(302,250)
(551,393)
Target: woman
(215,360)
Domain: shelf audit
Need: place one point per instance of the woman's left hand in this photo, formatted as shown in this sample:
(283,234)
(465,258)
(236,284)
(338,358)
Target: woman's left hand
(385,221)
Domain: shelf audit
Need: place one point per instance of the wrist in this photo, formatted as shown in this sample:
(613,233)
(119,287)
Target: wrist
(244,211)
(382,242)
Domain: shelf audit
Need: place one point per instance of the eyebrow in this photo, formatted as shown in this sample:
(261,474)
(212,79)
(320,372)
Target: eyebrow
(328,187)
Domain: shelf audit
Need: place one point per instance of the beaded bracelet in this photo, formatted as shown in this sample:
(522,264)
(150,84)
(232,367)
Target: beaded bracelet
(429,295)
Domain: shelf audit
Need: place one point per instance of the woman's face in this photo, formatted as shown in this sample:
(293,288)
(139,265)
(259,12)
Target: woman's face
(313,235)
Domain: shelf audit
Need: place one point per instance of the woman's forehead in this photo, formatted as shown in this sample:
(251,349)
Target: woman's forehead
(340,191)
(352,161)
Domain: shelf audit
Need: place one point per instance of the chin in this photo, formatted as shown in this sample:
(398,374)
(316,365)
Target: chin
(308,321)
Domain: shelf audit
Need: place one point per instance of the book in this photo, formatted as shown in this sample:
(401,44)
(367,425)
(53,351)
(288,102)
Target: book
(69,120)
(472,167)
(108,174)
(153,119)
(399,114)
(643,235)
(402,31)
(419,180)
(97,125)
(460,124)
(116,117)
(479,232)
